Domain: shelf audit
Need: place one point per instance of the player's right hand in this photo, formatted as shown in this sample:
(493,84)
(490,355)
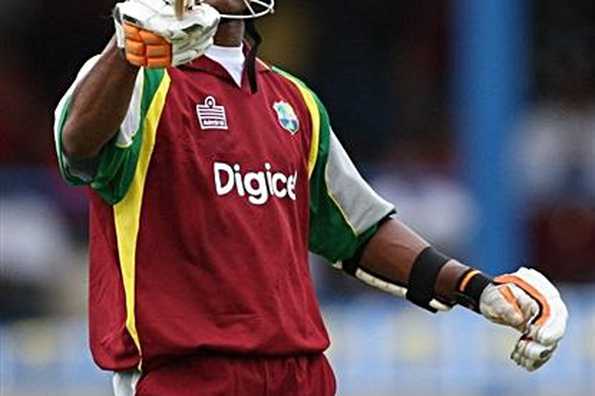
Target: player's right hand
(530,303)
(151,36)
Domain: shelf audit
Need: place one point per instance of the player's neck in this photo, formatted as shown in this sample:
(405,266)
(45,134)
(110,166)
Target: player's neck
(230,34)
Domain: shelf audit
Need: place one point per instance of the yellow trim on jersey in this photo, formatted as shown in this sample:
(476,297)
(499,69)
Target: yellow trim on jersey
(315,141)
(128,211)
(315,116)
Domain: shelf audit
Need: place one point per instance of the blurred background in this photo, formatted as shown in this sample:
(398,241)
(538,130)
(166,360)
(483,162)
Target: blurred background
(477,118)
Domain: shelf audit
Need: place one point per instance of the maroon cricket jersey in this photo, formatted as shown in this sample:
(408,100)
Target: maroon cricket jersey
(203,209)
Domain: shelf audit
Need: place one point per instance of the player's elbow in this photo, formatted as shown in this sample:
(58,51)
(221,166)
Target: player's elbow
(78,143)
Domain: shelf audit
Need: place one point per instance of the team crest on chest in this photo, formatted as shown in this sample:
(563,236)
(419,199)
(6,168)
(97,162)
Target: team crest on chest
(211,116)
(287,117)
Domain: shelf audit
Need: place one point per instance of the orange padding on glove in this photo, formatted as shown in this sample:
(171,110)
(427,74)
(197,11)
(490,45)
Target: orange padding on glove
(147,49)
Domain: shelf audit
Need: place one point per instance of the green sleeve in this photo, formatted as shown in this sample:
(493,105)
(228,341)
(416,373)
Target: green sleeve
(116,164)
(344,209)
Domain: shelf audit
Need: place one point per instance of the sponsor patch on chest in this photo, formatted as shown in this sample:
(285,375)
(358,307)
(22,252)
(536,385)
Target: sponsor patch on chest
(212,116)
(257,187)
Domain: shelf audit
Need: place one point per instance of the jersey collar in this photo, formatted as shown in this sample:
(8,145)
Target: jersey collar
(209,66)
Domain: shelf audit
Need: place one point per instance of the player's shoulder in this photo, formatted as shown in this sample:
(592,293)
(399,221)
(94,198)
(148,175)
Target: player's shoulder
(282,76)
(294,82)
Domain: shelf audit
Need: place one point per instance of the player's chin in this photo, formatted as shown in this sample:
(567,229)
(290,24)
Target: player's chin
(228,6)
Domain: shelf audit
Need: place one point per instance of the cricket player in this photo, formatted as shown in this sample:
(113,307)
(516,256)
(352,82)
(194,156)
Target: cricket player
(211,175)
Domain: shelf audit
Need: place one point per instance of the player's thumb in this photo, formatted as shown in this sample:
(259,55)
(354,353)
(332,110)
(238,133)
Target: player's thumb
(508,305)
(512,310)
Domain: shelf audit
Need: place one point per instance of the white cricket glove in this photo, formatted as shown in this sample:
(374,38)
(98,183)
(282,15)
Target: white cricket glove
(530,303)
(151,35)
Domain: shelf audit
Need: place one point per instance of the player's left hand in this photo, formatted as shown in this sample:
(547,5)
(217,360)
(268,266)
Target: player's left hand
(530,303)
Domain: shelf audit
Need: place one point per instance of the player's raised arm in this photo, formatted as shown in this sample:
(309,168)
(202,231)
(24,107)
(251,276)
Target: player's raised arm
(148,35)
(99,123)
(98,105)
